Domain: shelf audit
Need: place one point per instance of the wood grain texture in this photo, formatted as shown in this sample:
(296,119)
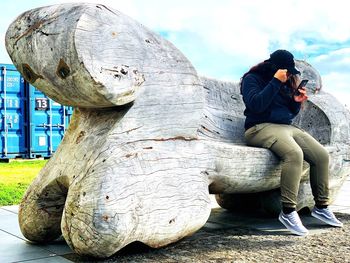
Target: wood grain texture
(149,140)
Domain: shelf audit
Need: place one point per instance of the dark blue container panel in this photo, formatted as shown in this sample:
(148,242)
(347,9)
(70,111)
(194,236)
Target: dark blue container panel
(13,112)
(31,124)
(48,122)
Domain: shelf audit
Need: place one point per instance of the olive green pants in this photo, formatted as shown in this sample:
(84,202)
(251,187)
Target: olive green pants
(293,145)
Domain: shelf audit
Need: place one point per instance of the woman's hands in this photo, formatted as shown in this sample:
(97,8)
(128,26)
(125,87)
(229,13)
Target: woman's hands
(281,75)
(302,96)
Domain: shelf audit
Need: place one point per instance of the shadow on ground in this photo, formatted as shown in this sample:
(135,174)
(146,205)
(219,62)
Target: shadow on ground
(255,239)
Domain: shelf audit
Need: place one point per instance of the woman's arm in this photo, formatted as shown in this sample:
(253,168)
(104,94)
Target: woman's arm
(256,97)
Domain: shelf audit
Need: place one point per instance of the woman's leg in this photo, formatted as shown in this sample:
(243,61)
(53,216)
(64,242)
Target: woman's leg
(279,139)
(318,158)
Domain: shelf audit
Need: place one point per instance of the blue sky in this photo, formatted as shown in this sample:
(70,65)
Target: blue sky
(223,38)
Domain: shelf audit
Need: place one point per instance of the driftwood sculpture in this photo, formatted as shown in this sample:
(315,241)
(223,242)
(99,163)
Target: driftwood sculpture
(149,140)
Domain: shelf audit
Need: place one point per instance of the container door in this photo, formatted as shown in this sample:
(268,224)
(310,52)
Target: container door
(13,109)
(48,121)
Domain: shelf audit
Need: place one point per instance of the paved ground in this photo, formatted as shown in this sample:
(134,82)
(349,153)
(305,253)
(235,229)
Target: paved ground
(226,237)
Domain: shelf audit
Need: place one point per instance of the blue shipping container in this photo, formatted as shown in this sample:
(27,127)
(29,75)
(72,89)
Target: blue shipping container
(31,124)
(13,122)
(48,122)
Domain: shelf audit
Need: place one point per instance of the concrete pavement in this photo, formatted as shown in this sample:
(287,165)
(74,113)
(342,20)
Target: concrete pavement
(14,247)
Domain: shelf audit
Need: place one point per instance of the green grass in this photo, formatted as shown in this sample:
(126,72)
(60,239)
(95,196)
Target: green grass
(15,177)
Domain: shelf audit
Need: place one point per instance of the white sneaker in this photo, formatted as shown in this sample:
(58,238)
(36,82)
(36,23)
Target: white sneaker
(293,223)
(326,215)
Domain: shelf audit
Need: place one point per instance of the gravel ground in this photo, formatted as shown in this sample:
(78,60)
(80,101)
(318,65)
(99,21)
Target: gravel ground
(244,245)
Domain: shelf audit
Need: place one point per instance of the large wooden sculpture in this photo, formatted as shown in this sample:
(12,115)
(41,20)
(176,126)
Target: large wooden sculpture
(149,139)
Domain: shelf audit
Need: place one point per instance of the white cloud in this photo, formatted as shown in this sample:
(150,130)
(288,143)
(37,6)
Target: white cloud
(338,85)
(334,68)
(223,38)
(338,60)
(342,81)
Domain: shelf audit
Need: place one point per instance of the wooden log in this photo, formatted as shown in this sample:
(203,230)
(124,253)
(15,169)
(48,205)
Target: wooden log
(149,139)
(115,191)
(116,184)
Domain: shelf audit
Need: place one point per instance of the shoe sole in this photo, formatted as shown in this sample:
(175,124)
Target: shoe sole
(324,220)
(292,230)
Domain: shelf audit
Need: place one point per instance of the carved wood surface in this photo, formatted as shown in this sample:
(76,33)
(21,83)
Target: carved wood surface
(149,140)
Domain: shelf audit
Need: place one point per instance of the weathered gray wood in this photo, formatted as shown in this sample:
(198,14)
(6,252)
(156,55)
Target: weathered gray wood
(123,171)
(93,56)
(149,139)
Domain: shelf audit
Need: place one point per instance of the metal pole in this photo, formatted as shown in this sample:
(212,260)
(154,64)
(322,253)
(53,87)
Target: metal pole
(5,112)
(64,119)
(50,123)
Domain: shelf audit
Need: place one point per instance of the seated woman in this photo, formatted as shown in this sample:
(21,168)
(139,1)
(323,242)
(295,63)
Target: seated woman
(272,99)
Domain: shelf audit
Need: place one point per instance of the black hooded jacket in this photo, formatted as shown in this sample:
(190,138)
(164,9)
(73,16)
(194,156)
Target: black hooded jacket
(267,101)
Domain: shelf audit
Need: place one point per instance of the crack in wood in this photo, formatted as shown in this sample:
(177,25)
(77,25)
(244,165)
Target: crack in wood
(34,27)
(182,138)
